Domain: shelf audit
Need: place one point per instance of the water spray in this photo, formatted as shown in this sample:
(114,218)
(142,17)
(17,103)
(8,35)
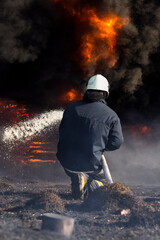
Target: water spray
(32,127)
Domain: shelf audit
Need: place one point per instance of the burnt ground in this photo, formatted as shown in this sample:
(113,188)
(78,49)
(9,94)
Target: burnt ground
(22,204)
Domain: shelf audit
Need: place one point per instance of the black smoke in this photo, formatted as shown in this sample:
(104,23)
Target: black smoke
(40,57)
(35,47)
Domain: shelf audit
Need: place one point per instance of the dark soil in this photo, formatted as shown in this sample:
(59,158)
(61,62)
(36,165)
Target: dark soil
(116,197)
(22,205)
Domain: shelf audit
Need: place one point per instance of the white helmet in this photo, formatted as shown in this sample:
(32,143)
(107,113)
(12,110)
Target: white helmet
(98,82)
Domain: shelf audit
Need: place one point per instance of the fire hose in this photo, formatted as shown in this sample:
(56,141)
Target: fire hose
(106,170)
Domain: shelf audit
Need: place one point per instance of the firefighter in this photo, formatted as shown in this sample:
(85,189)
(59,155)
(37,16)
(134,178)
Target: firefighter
(88,128)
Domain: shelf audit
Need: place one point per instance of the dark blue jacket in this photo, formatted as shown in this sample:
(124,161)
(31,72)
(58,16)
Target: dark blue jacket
(86,131)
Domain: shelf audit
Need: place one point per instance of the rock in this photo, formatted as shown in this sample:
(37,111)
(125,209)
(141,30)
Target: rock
(58,223)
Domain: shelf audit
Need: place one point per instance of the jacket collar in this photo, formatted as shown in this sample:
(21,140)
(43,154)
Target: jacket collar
(102,101)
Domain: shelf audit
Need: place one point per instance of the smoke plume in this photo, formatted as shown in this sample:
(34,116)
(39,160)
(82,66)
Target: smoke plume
(137,161)
(41,50)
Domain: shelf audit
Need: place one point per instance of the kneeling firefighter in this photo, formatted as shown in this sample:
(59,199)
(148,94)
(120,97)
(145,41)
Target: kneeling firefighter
(88,128)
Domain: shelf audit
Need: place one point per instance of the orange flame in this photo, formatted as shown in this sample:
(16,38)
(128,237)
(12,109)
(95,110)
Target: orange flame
(100,42)
(43,151)
(71,96)
(38,152)
(15,112)
(41,161)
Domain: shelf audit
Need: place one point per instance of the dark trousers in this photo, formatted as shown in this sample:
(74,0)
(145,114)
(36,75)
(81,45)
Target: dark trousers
(82,183)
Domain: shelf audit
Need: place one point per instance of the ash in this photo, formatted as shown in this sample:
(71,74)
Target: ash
(24,202)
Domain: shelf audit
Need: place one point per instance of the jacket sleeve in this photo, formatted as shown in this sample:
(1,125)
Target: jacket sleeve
(115,137)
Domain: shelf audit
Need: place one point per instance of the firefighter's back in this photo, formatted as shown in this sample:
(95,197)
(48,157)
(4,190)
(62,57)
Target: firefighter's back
(84,134)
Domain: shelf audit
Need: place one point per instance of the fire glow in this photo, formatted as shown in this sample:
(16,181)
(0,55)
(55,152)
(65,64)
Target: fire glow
(15,112)
(140,130)
(100,42)
(38,153)
(70,96)
(41,161)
